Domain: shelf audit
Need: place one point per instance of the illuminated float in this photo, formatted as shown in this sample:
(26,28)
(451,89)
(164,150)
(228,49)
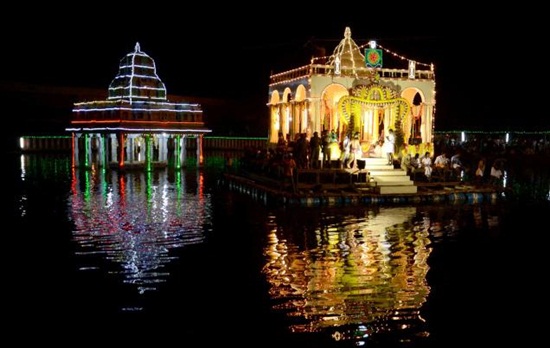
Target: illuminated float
(136,126)
(351,92)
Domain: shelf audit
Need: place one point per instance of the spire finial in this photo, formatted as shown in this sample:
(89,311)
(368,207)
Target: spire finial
(138,49)
(347,33)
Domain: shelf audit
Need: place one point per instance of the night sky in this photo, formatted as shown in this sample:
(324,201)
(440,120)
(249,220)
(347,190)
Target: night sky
(482,61)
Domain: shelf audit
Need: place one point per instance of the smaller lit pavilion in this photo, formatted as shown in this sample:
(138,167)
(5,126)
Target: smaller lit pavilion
(136,126)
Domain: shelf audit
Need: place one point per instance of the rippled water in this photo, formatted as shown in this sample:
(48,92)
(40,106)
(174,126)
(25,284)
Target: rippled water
(363,271)
(134,221)
(168,257)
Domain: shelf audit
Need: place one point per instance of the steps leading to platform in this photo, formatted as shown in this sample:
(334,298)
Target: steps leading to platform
(393,180)
(387,179)
(387,172)
(392,189)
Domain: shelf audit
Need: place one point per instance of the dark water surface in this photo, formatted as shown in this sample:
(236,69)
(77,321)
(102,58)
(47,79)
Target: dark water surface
(149,259)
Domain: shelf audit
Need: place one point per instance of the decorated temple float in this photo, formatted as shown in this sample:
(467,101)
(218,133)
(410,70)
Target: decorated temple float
(352,91)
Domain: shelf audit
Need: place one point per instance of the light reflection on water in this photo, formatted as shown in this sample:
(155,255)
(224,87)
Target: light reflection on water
(359,270)
(348,274)
(361,273)
(134,221)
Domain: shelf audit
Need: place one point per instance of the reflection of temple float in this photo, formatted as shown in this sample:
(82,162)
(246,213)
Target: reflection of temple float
(371,272)
(350,94)
(136,125)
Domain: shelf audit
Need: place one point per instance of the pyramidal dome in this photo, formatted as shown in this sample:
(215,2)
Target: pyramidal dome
(137,79)
(347,55)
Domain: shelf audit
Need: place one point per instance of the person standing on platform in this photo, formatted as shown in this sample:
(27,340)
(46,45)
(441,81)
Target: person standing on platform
(289,167)
(389,146)
(281,146)
(301,150)
(333,136)
(345,152)
(355,151)
(325,147)
(315,150)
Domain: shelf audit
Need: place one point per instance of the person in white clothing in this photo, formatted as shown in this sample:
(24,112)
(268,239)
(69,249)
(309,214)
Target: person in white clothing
(496,172)
(389,146)
(355,151)
(345,157)
(426,162)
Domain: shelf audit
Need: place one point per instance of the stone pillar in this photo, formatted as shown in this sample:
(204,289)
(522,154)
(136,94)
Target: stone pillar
(148,152)
(114,147)
(101,149)
(162,148)
(200,159)
(76,153)
(121,149)
(129,149)
(183,150)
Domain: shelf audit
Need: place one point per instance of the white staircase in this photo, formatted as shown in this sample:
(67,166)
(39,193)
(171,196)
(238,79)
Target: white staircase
(388,180)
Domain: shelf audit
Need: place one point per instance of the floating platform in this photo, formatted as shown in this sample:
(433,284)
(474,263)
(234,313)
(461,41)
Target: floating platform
(339,189)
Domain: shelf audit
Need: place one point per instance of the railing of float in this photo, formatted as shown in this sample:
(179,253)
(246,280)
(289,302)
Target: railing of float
(362,72)
(64,143)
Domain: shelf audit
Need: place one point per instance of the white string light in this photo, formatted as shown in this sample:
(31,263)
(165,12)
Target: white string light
(137,78)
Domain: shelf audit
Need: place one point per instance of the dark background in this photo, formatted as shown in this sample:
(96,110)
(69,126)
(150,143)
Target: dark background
(489,66)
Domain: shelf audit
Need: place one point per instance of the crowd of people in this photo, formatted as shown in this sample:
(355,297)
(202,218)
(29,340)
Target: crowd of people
(445,168)
(482,160)
(317,152)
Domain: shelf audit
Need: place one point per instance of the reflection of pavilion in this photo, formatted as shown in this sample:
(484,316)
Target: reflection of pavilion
(135,221)
(136,125)
(342,92)
(370,271)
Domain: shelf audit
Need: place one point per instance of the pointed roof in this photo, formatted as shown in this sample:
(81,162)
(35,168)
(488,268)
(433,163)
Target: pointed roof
(137,79)
(137,102)
(347,54)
